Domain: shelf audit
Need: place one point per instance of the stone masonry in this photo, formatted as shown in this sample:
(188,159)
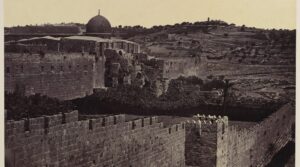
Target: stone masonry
(60,75)
(62,140)
(211,142)
(203,141)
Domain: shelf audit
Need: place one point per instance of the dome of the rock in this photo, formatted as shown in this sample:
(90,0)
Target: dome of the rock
(98,24)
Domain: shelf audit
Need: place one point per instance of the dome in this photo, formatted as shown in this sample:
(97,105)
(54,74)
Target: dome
(98,24)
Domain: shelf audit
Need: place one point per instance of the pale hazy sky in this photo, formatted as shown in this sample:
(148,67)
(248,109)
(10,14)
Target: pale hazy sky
(257,13)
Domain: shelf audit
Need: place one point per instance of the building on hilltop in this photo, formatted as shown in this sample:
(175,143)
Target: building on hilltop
(98,26)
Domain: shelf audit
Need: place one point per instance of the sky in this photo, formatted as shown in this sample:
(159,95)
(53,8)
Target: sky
(253,13)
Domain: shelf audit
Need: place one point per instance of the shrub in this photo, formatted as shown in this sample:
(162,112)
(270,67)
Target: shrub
(19,106)
(214,84)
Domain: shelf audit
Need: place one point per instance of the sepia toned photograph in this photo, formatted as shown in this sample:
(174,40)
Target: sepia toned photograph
(149,83)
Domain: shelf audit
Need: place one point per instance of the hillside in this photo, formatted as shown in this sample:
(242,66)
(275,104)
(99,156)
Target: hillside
(260,63)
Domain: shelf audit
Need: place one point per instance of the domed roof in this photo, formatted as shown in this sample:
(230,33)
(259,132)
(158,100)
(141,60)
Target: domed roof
(98,24)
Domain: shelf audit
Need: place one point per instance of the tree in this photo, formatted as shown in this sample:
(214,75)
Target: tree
(243,28)
(225,94)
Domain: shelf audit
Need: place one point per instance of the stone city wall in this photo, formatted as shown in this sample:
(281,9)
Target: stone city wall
(204,145)
(60,75)
(211,142)
(62,140)
(257,145)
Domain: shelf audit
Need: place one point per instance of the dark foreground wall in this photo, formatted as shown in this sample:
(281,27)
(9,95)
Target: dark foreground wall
(256,146)
(211,142)
(62,140)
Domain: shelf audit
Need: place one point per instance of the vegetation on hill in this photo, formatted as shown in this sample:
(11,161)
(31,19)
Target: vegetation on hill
(185,95)
(124,31)
(183,92)
(18,106)
(46,29)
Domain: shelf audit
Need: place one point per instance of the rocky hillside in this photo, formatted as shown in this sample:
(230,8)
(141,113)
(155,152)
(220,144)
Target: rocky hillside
(260,62)
(222,42)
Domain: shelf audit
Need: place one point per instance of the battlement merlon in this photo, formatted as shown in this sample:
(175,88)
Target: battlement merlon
(210,123)
(177,127)
(46,122)
(211,119)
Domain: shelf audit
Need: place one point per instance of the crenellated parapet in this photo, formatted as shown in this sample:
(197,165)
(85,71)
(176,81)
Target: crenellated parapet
(40,123)
(67,139)
(210,119)
(206,137)
(99,140)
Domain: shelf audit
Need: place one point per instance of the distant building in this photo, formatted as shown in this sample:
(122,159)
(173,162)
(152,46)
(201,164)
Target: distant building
(97,26)
(67,66)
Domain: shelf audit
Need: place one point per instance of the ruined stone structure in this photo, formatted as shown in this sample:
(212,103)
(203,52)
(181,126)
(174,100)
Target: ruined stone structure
(160,70)
(63,140)
(66,140)
(121,69)
(174,67)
